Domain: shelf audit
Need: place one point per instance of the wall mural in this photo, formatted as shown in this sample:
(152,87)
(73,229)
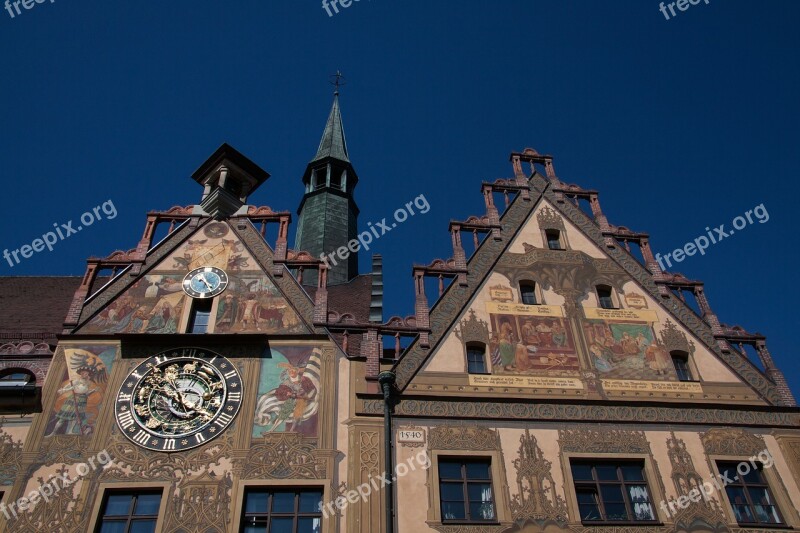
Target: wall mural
(537,340)
(288,391)
(82,389)
(627,350)
(532,345)
(251,302)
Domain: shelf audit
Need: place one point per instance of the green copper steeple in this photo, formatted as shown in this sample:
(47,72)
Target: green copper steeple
(328,213)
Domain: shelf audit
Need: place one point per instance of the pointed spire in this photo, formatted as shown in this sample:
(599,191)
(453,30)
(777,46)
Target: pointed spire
(333,143)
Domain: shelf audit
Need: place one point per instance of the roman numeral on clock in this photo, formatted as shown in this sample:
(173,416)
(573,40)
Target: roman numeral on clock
(141,436)
(125,419)
(169,444)
(235,396)
(124,397)
(161,359)
(199,437)
(230,374)
(223,419)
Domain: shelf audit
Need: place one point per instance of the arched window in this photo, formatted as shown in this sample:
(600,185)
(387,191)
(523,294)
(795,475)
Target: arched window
(553,239)
(681,362)
(476,358)
(605,297)
(527,292)
(16,377)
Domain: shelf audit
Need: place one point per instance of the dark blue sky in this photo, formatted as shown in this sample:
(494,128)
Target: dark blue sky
(681,123)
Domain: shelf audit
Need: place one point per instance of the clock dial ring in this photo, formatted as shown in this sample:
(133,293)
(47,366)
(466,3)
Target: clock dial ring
(178,399)
(205,282)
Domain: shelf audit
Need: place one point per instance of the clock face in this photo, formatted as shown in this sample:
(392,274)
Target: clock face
(178,399)
(205,282)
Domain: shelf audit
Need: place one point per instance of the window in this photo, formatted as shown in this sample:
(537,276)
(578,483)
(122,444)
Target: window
(465,490)
(681,362)
(129,512)
(749,495)
(16,377)
(527,291)
(553,239)
(611,491)
(476,358)
(201,313)
(283,511)
(604,297)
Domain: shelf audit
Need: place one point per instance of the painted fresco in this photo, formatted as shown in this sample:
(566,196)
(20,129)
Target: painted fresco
(532,345)
(155,304)
(627,350)
(82,389)
(252,303)
(288,391)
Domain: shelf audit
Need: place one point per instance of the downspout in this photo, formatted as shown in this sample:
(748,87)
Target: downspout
(387,380)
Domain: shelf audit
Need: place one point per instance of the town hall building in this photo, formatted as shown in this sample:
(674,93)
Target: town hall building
(218,380)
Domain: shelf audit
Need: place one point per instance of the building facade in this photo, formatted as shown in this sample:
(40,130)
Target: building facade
(216,380)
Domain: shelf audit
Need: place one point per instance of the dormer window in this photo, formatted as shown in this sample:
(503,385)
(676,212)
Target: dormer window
(553,237)
(680,361)
(605,297)
(476,358)
(527,292)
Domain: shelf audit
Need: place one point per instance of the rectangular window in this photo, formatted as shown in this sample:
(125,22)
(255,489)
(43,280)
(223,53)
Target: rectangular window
(129,512)
(612,491)
(553,239)
(201,314)
(465,490)
(282,511)
(476,360)
(604,297)
(528,293)
(749,495)
(681,364)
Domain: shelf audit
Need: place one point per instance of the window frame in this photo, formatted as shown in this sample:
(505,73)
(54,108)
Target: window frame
(465,481)
(650,474)
(547,240)
(193,312)
(323,485)
(769,483)
(611,296)
(499,481)
(107,489)
(133,486)
(596,484)
(296,514)
(477,346)
(532,288)
(690,369)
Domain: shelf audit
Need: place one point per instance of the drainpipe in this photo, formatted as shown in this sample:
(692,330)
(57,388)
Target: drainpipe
(386,380)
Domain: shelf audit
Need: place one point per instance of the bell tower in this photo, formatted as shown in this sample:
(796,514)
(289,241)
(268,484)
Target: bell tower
(328,213)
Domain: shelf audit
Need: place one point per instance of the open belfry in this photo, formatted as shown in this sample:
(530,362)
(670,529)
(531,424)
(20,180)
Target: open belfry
(211,379)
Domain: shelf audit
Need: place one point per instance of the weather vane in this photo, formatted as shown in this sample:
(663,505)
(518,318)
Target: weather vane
(337,80)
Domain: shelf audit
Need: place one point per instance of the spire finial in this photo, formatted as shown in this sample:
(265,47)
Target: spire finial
(337,80)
